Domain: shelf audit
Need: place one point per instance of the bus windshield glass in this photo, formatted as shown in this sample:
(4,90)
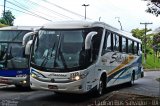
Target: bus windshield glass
(11,50)
(60,49)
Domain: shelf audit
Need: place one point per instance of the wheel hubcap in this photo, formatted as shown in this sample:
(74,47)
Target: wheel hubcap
(100,87)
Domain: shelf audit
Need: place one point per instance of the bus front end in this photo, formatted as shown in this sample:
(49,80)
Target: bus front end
(61,60)
(14,64)
(73,82)
(19,78)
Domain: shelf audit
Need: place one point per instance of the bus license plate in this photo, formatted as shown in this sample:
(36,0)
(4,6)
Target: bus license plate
(52,87)
(3,80)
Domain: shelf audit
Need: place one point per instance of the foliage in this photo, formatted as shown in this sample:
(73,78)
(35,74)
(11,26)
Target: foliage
(139,33)
(153,7)
(8,18)
(156,38)
(152,62)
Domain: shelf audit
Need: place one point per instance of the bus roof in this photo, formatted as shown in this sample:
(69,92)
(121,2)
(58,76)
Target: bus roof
(20,28)
(87,24)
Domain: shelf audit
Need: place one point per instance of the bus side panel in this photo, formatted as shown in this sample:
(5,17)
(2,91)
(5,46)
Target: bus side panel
(138,64)
(119,67)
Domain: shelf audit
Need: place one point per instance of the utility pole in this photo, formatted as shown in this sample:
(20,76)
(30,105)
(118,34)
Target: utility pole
(145,24)
(4,8)
(119,22)
(99,18)
(85,5)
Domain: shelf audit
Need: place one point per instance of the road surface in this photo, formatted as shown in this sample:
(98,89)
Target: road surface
(10,96)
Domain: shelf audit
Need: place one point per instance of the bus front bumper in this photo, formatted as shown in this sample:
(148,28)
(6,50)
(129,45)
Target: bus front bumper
(24,81)
(77,87)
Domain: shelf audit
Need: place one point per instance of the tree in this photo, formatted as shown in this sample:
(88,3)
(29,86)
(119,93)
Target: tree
(8,18)
(140,34)
(156,39)
(156,43)
(153,7)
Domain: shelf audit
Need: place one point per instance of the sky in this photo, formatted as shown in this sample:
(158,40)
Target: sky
(130,12)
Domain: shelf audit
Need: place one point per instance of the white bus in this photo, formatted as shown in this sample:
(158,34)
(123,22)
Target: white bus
(78,56)
(14,64)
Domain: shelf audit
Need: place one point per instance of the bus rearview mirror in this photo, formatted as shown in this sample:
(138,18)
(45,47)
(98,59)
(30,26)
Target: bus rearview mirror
(28,47)
(88,39)
(26,36)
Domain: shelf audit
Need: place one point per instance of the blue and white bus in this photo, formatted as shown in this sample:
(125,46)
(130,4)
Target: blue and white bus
(14,68)
(78,56)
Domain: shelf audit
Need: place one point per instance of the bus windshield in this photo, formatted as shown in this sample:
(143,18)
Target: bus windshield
(60,49)
(11,50)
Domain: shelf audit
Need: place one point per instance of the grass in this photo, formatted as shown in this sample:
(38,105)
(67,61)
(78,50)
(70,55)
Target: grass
(2,25)
(151,63)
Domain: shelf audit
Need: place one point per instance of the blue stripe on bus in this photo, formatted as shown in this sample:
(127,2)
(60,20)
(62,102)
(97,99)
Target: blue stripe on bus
(126,76)
(123,70)
(13,73)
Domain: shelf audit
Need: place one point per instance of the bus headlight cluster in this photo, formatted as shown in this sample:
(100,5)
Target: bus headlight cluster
(24,82)
(33,75)
(36,74)
(77,76)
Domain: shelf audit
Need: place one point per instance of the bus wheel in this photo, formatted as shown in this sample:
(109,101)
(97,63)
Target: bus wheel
(101,88)
(132,79)
(23,87)
(18,86)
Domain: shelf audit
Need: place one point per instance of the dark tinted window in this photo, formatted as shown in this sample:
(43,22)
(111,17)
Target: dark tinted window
(124,43)
(135,48)
(11,35)
(130,49)
(115,42)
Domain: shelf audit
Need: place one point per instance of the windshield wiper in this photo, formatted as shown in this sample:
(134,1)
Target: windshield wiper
(63,60)
(59,52)
(44,62)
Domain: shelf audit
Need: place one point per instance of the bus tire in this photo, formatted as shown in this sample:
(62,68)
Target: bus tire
(22,87)
(102,86)
(18,86)
(131,82)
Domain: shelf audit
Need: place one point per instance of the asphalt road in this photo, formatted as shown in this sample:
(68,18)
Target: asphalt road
(10,96)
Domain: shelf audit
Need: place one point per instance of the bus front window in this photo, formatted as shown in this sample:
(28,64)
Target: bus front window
(11,50)
(3,49)
(60,49)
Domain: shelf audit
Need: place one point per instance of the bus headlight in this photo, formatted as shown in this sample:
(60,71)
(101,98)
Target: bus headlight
(24,82)
(36,74)
(33,75)
(77,76)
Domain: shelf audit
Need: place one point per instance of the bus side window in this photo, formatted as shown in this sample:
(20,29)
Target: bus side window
(115,42)
(133,52)
(124,43)
(130,46)
(138,50)
(107,43)
(96,41)
(120,43)
(135,48)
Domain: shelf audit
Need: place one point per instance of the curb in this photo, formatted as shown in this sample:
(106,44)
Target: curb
(151,69)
